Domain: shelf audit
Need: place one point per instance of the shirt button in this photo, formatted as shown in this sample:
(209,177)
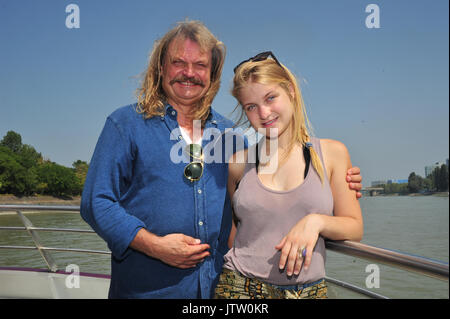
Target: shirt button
(180,137)
(173,113)
(199,191)
(200,223)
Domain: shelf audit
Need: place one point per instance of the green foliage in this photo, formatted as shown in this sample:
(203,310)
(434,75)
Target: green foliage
(14,177)
(23,171)
(414,183)
(28,156)
(81,169)
(60,180)
(441,178)
(12,140)
(396,188)
(427,184)
(437,181)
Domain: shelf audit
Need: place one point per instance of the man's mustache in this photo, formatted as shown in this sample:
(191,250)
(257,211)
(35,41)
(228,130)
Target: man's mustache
(183,78)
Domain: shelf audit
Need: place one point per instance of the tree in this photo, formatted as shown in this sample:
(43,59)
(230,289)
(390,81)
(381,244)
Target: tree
(28,156)
(14,177)
(81,169)
(12,140)
(439,178)
(414,183)
(23,171)
(435,178)
(427,184)
(394,188)
(59,180)
(442,176)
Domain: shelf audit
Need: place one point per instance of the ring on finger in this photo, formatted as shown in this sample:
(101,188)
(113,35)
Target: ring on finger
(301,252)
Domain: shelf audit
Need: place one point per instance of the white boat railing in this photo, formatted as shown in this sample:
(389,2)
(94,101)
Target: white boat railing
(417,264)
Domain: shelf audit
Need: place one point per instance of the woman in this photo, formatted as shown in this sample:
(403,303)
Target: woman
(269,257)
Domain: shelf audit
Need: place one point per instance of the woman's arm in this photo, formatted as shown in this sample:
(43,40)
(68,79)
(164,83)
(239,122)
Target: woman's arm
(232,233)
(347,222)
(235,172)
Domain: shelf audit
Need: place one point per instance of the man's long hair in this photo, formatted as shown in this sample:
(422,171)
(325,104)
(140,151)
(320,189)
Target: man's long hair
(151,96)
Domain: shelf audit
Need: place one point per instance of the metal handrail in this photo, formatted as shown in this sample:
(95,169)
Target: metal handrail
(417,264)
(69,230)
(29,227)
(14,208)
(354,288)
(73,250)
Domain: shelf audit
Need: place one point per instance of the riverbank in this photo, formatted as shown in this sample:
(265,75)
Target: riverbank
(7,199)
(435,194)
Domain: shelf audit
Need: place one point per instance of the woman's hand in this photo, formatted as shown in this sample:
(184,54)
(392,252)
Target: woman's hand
(354,180)
(303,235)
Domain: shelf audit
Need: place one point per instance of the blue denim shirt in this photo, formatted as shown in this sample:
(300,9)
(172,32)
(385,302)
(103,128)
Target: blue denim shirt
(133,183)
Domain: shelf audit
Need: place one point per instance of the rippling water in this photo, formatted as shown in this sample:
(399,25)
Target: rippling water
(415,225)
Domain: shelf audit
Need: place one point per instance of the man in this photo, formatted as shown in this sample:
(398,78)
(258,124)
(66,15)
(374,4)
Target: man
(166,223)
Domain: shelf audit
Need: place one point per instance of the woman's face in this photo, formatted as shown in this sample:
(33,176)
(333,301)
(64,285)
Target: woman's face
(268,108)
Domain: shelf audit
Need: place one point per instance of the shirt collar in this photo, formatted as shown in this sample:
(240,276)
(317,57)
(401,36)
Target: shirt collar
(211,121)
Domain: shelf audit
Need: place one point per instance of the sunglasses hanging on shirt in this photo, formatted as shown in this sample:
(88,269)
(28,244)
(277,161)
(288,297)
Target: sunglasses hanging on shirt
(194,170)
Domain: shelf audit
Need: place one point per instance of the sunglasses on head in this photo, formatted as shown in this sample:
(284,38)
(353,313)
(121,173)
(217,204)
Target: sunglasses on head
(194,170)
(259,57)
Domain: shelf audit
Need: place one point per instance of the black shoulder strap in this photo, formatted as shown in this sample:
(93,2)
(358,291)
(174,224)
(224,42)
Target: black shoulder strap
(257,157)
(307,156)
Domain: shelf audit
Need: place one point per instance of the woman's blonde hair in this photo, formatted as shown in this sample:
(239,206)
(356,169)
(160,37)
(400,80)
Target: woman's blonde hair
(151,96)
(268,71)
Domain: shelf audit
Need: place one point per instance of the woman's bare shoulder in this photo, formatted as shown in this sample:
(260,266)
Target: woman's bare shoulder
(335,156)
(333,148)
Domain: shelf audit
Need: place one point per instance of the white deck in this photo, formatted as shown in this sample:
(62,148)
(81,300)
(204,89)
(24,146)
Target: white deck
(47,285)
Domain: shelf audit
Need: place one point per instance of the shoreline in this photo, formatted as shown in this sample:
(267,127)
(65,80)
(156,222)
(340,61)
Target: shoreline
(7,199)
(44,200)
(434,194)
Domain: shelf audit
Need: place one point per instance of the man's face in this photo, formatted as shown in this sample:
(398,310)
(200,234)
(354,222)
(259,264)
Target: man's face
(186,72)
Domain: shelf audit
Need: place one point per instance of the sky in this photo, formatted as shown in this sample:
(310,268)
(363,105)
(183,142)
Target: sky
(382,91)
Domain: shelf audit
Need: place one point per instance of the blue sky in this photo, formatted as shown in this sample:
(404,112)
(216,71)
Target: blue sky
(383,92)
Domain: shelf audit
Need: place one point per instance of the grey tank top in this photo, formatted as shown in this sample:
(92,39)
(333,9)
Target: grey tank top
(266,216)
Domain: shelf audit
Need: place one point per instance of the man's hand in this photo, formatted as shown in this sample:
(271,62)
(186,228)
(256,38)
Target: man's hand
(354,179)
(180,251)
(176,250)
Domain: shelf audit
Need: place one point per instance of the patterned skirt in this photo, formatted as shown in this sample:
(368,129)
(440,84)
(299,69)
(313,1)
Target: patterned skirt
(232,285)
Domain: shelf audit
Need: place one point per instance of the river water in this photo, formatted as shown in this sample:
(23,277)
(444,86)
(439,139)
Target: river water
(414,225)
